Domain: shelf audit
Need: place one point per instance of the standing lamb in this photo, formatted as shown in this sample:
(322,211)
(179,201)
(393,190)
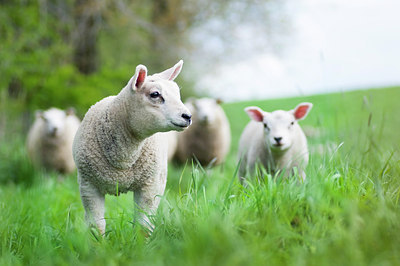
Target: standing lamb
(49,141)
(118,148)
(209,138)
(274,140)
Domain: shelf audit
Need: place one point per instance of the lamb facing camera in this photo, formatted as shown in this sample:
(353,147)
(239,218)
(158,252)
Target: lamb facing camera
(49,141)
(274,140)
(120,146)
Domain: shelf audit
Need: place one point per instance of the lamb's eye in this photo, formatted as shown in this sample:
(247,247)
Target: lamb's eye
(266,126)
(292,123)
(155,94)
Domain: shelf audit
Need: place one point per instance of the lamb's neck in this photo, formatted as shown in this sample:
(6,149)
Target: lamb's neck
(282,159)
(120,146)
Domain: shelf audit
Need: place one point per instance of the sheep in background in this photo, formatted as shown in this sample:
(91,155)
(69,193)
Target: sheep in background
(274,140)
(209,137)
(49,141)
(172,137)
(118,148)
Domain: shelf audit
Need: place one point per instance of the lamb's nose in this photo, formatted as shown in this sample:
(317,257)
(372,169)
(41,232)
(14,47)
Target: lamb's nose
(187,117)
(278,140)
(54,131)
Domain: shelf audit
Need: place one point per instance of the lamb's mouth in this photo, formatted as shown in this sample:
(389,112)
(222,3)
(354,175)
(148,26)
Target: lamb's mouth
(182,126)
(279,147)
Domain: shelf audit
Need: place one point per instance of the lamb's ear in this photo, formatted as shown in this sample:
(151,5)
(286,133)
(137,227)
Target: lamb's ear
(39,114)
(190,100)
(302,110)
(138,79)
(255,113)
(171,73)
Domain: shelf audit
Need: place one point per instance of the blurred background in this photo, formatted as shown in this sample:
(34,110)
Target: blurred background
(74,53)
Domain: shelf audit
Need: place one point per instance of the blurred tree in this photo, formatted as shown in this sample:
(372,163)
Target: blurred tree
(170,22)
(186,27)
(48,47)
(87,14)
(31,45)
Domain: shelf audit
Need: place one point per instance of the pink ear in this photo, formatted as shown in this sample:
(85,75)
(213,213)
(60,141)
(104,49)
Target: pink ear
(255,113)
(140,79)
(301,110)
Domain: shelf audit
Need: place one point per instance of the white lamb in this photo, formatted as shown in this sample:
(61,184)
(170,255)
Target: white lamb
(209,137)
(117,148)
(49,141)
(275,141)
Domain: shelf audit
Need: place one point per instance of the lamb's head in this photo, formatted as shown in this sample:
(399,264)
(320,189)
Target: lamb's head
(204,110)
(155,101)
(280,127)
(54,121)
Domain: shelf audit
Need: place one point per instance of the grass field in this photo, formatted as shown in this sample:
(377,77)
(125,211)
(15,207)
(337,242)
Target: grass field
(346,213)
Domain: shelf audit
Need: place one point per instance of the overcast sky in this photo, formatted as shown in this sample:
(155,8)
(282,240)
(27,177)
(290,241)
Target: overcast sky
(335,45)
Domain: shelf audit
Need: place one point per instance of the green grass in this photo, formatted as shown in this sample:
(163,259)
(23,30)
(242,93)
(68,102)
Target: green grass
(346,213)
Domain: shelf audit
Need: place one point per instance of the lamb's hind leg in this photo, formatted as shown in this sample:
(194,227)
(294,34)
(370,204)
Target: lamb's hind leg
(93,203)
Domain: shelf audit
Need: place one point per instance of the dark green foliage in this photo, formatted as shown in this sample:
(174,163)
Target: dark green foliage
(33,45)
(37,46)
(14,163)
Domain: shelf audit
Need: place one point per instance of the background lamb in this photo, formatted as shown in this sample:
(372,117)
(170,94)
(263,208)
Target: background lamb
(172,137)
(117,147)
(209,137)
(274,140)
(49,141)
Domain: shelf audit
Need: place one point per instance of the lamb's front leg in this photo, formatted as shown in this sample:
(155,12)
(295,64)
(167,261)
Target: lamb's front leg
(303,175)
(147,200)
(93,203)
